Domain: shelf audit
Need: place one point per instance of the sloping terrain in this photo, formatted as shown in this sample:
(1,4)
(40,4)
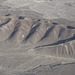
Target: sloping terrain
(37,37)
(32,46)
(44,36)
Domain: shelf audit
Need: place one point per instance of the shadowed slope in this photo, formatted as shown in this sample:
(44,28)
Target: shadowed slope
(14,31)
(32,31)
(70,27)
(59,42)
(47,32)
(5,22)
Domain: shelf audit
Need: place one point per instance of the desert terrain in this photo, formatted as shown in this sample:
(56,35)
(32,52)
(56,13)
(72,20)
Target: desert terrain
(37,37)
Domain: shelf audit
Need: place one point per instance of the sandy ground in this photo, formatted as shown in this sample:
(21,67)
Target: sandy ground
(37,37)
(49,9)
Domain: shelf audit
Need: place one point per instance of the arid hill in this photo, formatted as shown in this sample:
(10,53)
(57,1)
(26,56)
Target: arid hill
(45,37)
